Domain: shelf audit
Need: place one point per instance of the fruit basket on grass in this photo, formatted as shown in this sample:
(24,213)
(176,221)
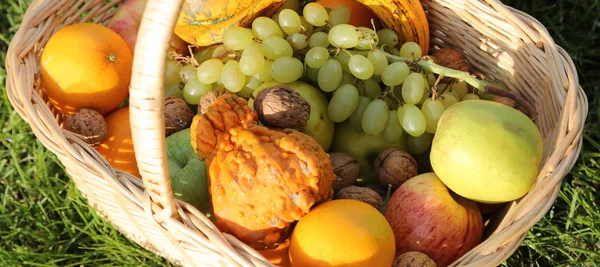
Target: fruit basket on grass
(262,133)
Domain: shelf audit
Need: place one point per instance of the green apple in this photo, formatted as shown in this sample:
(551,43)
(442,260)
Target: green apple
(188,174)
(364,148)
(486,151)
(318,126)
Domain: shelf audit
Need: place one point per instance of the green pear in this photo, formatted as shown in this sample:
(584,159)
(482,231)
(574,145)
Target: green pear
(364,148)
(188,174)
(486,151)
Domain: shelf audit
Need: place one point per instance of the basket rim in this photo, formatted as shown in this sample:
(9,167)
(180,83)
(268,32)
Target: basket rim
(29,104)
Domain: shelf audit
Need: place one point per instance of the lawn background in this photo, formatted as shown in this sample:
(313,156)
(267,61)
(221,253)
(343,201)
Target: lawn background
(45,222)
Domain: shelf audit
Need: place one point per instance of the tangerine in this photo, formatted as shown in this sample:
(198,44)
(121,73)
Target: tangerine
(342,232)
(86,65)
(117,148)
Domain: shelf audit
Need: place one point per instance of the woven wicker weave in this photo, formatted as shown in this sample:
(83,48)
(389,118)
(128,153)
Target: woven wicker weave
(500,42)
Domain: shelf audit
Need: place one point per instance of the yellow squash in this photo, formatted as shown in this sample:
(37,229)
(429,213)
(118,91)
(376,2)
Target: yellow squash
(406,17)
(202,22)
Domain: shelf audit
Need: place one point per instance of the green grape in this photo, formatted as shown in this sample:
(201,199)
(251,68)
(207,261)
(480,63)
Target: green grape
(312,74)
(469,97)
(264,27)
(287,69)
(252,82)
(375,117)
(347,78)
(448,100)
(275,47)
(223,53)
(387,37)
(315,14)
(420,144)
(355,118)
(219,84)
(210,71)
(252,60)
(431,79)
(264,74)
(392,133)
(172,70)
(307,28)
(368,39)
(432,111)
(204,54)
(413,88)
(318,39)
(340,14)
(173,89)
(245,92)
(426,83)
(376,78)
(411,50)
(290,21)
(298,41)
(237,38)
(360,67)
(395,73)
(412,120)
(460,88)
(316,57)
(369,88)
(194,90)
(232,77)
(343,59)
(343,103)
(344,36)
(330,75)
(188,71)
(425,97)
(379,61)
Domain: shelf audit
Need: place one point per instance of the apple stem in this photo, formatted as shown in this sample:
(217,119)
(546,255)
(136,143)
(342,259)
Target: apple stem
(387,198)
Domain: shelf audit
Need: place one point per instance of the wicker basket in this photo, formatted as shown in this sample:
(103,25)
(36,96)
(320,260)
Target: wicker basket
(500,42)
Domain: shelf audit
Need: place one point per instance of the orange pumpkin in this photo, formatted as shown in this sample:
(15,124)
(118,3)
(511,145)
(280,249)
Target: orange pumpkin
(117,148)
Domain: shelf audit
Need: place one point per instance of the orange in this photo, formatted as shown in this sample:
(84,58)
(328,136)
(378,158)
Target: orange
(117,148)
(278,256)
(342,232)
(361,15)
(86,65)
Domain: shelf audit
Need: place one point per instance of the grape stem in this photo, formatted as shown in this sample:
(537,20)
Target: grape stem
(484,87)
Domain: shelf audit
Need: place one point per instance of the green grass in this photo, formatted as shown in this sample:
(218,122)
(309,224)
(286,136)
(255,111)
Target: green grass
(44,221)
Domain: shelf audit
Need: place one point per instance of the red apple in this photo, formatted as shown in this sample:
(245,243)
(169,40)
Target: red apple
(126,22)
(427,217)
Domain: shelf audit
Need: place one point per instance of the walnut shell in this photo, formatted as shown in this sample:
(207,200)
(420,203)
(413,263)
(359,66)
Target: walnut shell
(282,107)
(363,194)
(346,170)
(88,123)
(210,98)
(379,188)
(451,58)
(414,259)
(178,115)
(394,166)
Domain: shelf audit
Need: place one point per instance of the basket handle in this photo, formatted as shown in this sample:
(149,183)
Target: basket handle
(146,102)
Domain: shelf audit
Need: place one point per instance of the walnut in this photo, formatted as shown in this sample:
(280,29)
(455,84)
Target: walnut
(451,58)
(346,170)
(414,259)
(363,194)
(178,115)
(209,98)
(379,188)
(88,123)
(394,166)
(282,107)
